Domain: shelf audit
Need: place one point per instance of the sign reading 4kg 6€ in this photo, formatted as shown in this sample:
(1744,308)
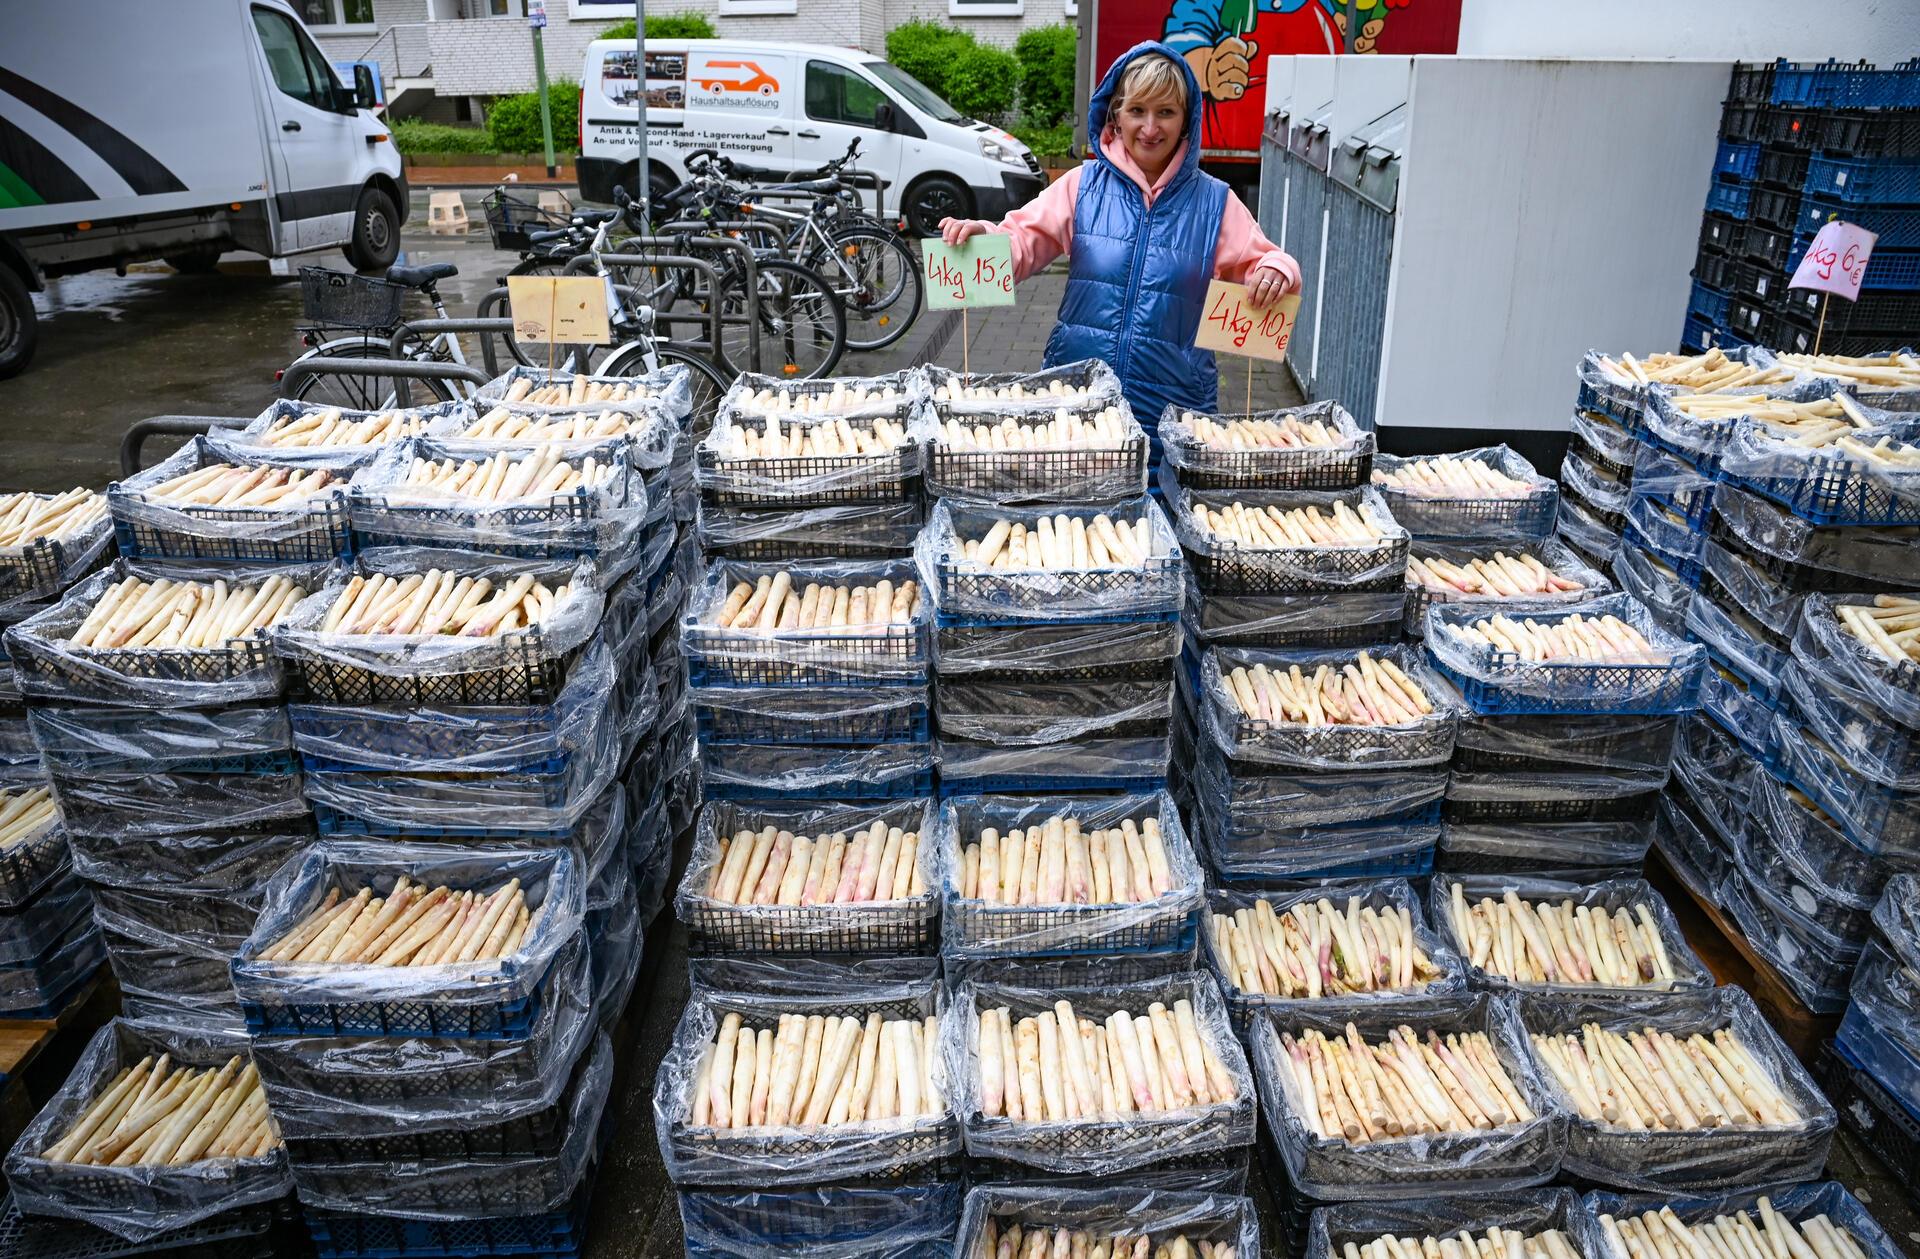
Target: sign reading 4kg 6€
(1231,323)
(976,272)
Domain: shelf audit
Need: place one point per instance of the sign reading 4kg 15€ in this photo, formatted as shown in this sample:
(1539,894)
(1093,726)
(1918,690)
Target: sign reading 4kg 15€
(976,272)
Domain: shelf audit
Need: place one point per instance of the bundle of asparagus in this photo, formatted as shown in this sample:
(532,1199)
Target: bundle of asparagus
(1013,1241)
(799,440)
(1062,542)
(1888,452)
(835,401)
(1814,423)
(1878,371)
(774,603)
(776,867)
(1495,1243)
(1343,1087)
(1501,575)
(1056,1066)
(24,814)
(503,478)
(1444,476)
(1889,626)
(577,392)
(1651,1080)
(810,1071)
(1712,370)
(228,485)
(441,602)
(1661,1235)
(1363,692)
(183,615)
(1271,528)
(1314,950)
(502,424)
(1057,392)
(1251,433)
(1063,429)
(1549,942)
(158,1114)
(412,925)
(1056,863)
(1574,637)
(329,428)
(26,517)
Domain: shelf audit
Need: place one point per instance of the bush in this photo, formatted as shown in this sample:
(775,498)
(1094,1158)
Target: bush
(982,81)
(1045,54)
(929,51)
(410,135)
(514,121)
(666,26)
(1054,141)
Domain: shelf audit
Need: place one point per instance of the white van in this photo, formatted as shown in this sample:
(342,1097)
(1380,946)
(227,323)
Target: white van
(139,130)
(782,108)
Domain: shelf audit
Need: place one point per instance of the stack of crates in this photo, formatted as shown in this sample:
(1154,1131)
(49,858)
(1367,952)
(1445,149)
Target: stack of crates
(1872,1070)
(40,974)
(1802,145)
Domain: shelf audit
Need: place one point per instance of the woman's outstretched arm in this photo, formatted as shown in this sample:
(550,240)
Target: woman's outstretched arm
(1041,230)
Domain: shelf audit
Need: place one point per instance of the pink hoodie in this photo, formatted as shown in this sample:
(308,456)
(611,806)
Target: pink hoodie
(1042,229)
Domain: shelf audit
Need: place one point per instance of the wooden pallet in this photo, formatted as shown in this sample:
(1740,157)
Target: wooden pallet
(1732,960)
(23,1040)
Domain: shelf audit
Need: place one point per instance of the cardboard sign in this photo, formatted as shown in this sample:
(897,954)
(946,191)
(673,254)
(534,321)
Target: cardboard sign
(559,309)
(1229,322)
(976,272)
(1835,261)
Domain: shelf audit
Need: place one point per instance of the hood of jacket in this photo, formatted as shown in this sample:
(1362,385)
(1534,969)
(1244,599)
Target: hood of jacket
(1110,84)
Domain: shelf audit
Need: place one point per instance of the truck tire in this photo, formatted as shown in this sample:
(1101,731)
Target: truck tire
(202,263)
(19,326)
(376,232)
(934,198)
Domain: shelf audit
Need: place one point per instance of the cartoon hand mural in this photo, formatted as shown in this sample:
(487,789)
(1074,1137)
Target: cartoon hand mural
(1215,35)
(1224,68)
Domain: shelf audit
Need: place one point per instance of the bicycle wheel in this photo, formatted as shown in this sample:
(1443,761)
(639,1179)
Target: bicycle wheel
(802,328)
(366,391)
(707,381)
(876,278)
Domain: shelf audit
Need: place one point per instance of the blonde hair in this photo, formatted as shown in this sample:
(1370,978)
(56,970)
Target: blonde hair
(1150,79)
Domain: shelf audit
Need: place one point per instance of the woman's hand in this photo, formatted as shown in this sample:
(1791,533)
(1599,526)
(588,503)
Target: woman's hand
(1266,285)
(953,231)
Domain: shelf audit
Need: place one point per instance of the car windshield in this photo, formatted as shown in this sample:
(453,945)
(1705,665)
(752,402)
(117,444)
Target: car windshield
(918,94)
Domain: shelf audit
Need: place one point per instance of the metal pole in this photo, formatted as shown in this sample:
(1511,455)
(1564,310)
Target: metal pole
(546,110)
(644,193)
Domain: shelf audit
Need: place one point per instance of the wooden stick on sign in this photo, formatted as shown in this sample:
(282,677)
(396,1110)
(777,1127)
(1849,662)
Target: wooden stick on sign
(966,372)
(553,316)
(1821,328)
(1249,407)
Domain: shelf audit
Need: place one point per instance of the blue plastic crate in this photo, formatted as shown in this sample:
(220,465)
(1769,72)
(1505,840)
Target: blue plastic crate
(1736,161)
(1697,333)
(1859,86)
(1837,494)
(1661,690)
(1015,784)
(909,723)
(1896,228)
(1891,1065)
(1408,865)
(1708,304)
(1603,403)
(1687,568)
(560,1234)
(1864,180)
(1897,269)
(505,1020)
(1729,199)
(905,787)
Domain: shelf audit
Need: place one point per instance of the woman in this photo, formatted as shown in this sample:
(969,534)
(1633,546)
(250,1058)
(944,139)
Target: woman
(1146,231)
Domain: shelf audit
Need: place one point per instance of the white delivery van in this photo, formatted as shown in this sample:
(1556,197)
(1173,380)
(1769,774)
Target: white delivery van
(782,108)
(132,130)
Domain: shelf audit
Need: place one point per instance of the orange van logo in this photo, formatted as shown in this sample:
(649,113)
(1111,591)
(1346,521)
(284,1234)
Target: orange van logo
(747,77)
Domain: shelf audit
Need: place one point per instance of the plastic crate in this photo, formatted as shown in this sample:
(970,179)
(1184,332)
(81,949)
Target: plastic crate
(1836,491)
(907,786)
(1751,83)
(1768,246)
(1199,467)
(1786,125)
(964,589)
(1639,807)
(1594,744)
(558,1234)
(1718,234)
(1857,85)
(1864,181)
(1792,576)
(815,480)
(1710,267)
(1897,269)
(1708,304)
(341,299)
(1039,475)
(1784,168)
(1896,228)
(1858,133)
(502,1020)
(1880,1120)
(1729,199)
(1777,209)
(315,530)
(28,864)
(1736,161)
(256,1232)
(1510,684)
(901,723)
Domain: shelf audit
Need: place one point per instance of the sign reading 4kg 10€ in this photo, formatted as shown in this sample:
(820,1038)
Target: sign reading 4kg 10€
(1229,322)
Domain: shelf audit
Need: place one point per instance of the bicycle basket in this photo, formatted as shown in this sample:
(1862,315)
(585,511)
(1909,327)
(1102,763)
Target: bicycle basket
(341,299)
(510,220)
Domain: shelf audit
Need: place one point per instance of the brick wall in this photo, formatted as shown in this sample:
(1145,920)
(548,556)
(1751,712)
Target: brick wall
(494,56)
(988,30)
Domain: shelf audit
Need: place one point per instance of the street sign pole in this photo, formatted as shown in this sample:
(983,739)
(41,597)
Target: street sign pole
(644,193)
(537,20)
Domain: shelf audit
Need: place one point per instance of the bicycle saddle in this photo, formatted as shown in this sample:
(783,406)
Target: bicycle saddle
(419,277)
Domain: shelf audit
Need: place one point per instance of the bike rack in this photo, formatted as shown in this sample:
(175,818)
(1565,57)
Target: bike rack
(168,426)
(713,318)
(404,369)
(427,329)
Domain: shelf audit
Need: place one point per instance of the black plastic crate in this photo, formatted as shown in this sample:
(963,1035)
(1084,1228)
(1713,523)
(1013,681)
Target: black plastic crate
(1867,1110)
(526,675)
(1782,167)
(1868,133)
(1634,808)
(1043,475)
(1593,742)
(1751,83)
(1798,578)
(1719,233)
(1767,246)
(264,1231)
(1710,268)
(828,480)
(1775,208)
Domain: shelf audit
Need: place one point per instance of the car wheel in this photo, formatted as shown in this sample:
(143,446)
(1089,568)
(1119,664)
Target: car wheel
(940,197)
(202,263)
(376,232)
(19,327)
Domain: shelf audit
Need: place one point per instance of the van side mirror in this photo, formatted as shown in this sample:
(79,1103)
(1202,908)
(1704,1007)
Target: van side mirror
(883,116)
(365,95)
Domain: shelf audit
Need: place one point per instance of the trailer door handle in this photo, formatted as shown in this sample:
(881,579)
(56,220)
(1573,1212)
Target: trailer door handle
(289,126)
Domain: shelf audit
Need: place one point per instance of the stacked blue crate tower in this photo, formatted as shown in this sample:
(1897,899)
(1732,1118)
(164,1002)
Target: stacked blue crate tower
(465,1115)
(1872,1070)
(1800,146)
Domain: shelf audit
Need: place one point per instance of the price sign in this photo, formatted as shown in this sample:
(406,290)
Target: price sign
(1231,323)
(1835,261)
(559,309)
(976,272)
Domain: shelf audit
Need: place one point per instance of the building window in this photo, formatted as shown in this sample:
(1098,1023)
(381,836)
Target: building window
(507,8)
(986,8)
(321,14)
(759,8)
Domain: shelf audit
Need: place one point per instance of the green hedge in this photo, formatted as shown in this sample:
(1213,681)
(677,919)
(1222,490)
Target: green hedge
(1045,54)
(666,26)
(410,135)
(927,51)
(986,82)
(514,121)
(982,82)
(1054,141)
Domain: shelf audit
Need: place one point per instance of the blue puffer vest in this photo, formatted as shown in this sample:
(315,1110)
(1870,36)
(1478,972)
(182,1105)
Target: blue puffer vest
(1138,277)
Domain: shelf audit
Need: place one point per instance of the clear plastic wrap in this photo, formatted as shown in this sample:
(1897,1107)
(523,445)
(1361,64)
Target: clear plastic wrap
(893,394)
(1157,1215)
(770,976)
(1105,1147)
(1583,481)
(1806,865)
(178,975)
(791,1155)
(524,666)
(48,666)
(1055,651)
(1433,515)
(1609,896)
(1713,770)
(842,531)
(1223,566)
(1289,798)
(667,389)
(1703,440)
(1692,1160)
(810,715)
(652,439)
(1737,642)
(260,435)
(37,571)
(1794,1202)
(1516,1155)
(905,1221)
(1674,484)
(1114,758)
(1200,466)
(30,863)
(849,656)
(1391,896)
(967,589)
(1695,850)
(1631,744)
(1084,381)
(1653,526)
(434,1000)
(1603,443)
(1739,587)
(1082,472)
(313,529)
(1827,484)
(1314,620)
(1877,819)
(46,988)
(1427,740)
(1077,970)
(28,935)
(884,925)
(1882,1026)
(1561,559)
(822,771)
(1808,962)
(155,805)
(95,739)
(728,476)
(1578,852)
(975,926)
(1589,538)
(1665,681)
(1806,556)
(1527,1213)
(139,1202)
(1035,712)
(1831,656)
(1838,712)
